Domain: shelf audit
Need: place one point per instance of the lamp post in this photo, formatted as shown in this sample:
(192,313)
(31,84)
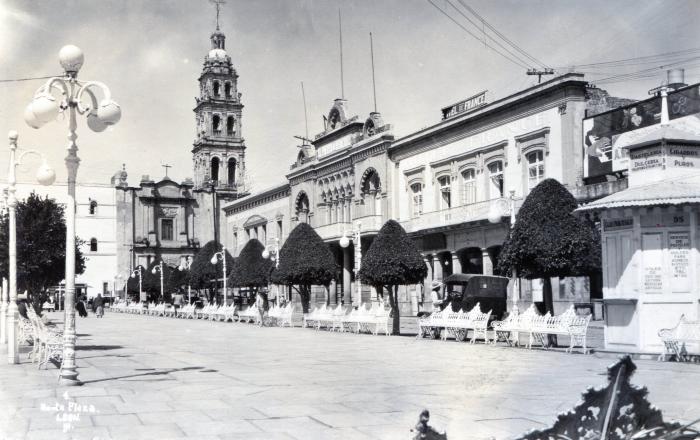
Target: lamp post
(499,208)
(139,271)
(344,243)
(4,289)
(272,251)
(45,176)
(185,265)
(214,260)
(155,270)
(43,109)
(118,279)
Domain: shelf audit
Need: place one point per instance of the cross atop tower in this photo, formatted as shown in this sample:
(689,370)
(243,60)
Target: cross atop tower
(166,166)
(218,4)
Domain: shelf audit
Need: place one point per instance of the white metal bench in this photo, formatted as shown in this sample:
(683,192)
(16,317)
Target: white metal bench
(248,315)
(377,322)
(567,324)
(313,319)
(433,324)
(677,339)
(458,324)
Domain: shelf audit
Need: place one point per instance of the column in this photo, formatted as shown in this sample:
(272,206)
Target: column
(428,277)
(486,262)
(347,276)
(3,312)
(437,268)
(456,264)
(331,293)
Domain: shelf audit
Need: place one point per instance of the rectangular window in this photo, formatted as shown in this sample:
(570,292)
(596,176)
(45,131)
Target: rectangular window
(105,289)
(469,186)
(166,229)
(535,168)
(445,192)
(496,177)
(417,200)
(279,229)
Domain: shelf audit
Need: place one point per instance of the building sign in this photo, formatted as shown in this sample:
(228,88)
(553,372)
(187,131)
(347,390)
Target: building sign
(652,259)
(467,105)
(336,145)
(647,158)
(617,224)
(665,220)
(605,134)
(683,157)
(679,252)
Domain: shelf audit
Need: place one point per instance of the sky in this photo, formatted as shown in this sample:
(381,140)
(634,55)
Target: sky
(150,54)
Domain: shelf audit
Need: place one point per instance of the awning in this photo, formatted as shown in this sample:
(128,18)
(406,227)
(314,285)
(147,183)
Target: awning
(679,191)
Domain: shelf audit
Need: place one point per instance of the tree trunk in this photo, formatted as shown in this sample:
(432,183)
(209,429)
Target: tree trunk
(393,300)
(305,295)
(547,296)
(328,295)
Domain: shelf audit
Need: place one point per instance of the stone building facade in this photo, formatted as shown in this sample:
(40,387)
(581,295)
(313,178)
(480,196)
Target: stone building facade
(442,183)
(96,225)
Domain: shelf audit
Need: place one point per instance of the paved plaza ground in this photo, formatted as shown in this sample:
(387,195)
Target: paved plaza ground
(161,378)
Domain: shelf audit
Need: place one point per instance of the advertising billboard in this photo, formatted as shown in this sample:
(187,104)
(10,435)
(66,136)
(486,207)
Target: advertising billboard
(605,135)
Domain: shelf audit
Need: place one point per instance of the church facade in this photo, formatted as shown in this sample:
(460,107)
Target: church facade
(168,220)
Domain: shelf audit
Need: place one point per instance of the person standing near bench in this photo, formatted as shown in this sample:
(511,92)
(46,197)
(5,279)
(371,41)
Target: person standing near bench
(98,306)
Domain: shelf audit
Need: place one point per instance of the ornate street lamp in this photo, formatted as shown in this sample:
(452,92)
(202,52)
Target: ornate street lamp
(139,271)
(185,265)
(4,299)
(45,176)
(214,260)
(344,243)
(155,270)
(272,251)
(100,115)
(500,208)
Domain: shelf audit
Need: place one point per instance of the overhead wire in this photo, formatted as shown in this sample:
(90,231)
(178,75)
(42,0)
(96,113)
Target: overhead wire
(641,73)
(516,56)
(514,61)
(633,61)
(26,79)
(500,35)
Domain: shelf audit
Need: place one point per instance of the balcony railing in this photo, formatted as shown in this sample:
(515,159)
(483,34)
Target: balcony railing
(459,214)
(588,193)
(370,223)
(333,231)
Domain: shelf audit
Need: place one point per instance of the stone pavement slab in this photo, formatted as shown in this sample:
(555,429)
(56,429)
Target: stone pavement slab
(149,377)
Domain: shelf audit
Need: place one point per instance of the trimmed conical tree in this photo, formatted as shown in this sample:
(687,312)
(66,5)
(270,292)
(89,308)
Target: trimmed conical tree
(251,269)
(305,260)
(203,274)
(549,241)
(392,261)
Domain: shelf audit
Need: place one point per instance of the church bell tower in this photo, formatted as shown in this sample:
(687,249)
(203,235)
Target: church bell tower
(219,148)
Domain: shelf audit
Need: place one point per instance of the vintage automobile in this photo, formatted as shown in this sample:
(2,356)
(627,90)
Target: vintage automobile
(463,291)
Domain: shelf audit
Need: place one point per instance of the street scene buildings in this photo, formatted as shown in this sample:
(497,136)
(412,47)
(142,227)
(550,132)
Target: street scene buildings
(554,223)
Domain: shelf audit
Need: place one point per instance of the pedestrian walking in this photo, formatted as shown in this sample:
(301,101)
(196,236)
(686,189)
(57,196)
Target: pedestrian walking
(80,308)
(260,303)
(177,300)
(98,306)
